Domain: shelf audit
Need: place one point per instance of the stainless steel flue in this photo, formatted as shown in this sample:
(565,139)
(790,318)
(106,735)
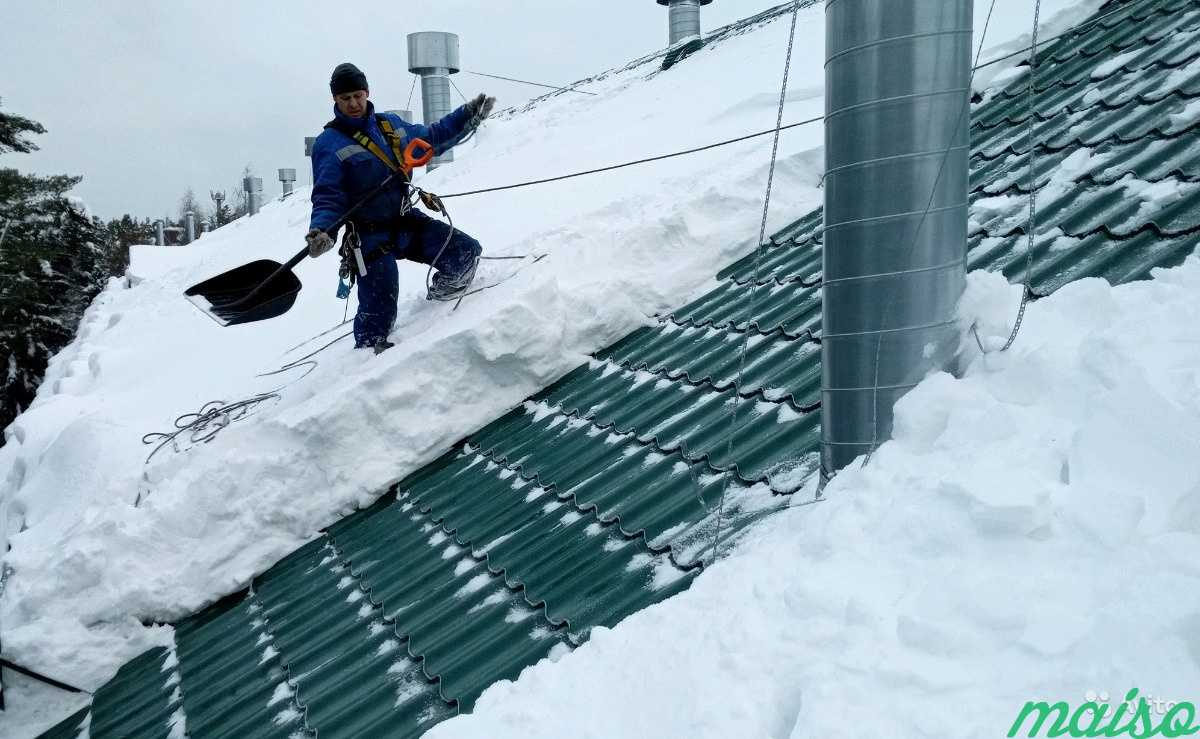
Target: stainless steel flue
(684,19)
(253,187)
(160,236)
(287,180)
(434,56)
(189,227)
(897,144)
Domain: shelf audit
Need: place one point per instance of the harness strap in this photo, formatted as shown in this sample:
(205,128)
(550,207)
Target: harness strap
(393,163)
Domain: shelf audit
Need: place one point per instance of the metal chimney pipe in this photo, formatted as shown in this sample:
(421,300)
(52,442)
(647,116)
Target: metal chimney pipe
(434,56)
(897,99)
(253,187)
(684,19)
(160,236)
(189,227)
(287,178)
(308,145)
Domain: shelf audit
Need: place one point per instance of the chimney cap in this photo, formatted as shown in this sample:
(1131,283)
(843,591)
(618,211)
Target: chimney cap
(668,2)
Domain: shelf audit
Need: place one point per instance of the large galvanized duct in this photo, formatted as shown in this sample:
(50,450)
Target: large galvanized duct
(897,143)
(434,56)
(253,187)
(684,18)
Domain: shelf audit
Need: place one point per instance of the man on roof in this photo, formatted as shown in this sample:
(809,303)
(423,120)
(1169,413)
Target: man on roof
(357,151)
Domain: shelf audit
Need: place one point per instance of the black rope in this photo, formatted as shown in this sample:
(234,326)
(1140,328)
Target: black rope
(527,82)
(647,160)
(41,678)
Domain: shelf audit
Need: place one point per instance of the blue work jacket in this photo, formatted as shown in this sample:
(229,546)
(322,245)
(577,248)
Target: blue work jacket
(345,172)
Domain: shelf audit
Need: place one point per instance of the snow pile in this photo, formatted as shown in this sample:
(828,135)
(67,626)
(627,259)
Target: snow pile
(1032,533)
(103,541)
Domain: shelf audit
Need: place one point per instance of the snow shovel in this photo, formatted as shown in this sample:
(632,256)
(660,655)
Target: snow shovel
(265,288)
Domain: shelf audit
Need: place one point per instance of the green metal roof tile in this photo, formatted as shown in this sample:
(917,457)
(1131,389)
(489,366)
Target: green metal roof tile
(602,493)
(349,687)
(779,367)
(1058,262)
(791,307)
(792,262)
(138,703)
(231,672)
(439,600)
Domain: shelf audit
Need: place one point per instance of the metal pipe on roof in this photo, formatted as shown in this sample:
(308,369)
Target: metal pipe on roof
(897,80)
(684,19)
(253,187)
(189,227)
(160,235)
(287,180)
(433,55)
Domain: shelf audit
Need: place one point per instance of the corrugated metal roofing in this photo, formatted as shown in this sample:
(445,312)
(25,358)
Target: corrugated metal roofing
(598,497)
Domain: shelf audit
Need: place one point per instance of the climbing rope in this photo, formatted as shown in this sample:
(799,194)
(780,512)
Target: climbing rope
(527,82)
(1031,230)
(735,402)
(411,90)
(894,293)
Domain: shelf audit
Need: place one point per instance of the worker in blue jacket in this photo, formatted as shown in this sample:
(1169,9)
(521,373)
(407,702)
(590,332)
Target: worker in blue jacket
(357,152)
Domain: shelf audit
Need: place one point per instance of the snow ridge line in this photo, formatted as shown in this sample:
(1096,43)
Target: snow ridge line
(707,382)
(336,563)
(1089,180)
(1103,230)
(684,377)
(1157,133)
(650,440)
(1057,56)
(177,723)
(517,585)
(261,625)
(1139,100)
(405,638)
(684,322)
(593,508)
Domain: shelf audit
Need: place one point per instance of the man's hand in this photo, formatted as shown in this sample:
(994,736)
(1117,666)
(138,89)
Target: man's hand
(318,242)
(480,108)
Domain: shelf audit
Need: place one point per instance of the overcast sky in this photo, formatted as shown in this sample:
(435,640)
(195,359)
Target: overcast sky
(146,98)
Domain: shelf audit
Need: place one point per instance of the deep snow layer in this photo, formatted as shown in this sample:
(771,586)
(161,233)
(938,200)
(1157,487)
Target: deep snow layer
(1032,533)
(90,567)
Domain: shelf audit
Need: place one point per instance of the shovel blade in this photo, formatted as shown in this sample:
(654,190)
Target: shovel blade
(216,295)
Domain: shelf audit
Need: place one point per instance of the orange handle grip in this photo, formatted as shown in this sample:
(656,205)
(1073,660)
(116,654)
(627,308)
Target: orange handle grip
(411,159)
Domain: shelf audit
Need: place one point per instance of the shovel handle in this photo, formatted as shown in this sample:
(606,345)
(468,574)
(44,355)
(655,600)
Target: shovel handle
(248,299)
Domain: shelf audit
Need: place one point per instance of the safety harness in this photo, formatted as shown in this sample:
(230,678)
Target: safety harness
(354,264)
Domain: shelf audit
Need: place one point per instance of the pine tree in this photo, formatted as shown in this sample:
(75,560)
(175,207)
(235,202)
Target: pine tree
(54,258)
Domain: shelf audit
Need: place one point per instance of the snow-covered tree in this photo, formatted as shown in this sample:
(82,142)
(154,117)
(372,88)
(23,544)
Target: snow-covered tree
(54,258)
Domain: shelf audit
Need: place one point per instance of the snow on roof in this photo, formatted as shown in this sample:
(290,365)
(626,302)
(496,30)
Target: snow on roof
(442,513)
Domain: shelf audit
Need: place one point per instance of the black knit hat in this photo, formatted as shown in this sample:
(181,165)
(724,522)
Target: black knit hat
(347,78)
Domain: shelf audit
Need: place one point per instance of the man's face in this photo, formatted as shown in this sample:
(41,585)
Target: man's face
(352,104)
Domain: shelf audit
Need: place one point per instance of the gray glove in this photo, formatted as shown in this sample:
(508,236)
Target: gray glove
(318,242)
(480,108)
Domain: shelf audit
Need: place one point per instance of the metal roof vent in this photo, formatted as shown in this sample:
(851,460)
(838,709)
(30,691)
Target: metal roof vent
(404,114)
(684,19)
(434,56)
(189,227)
(896,182)
(287,178)
(253,187)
